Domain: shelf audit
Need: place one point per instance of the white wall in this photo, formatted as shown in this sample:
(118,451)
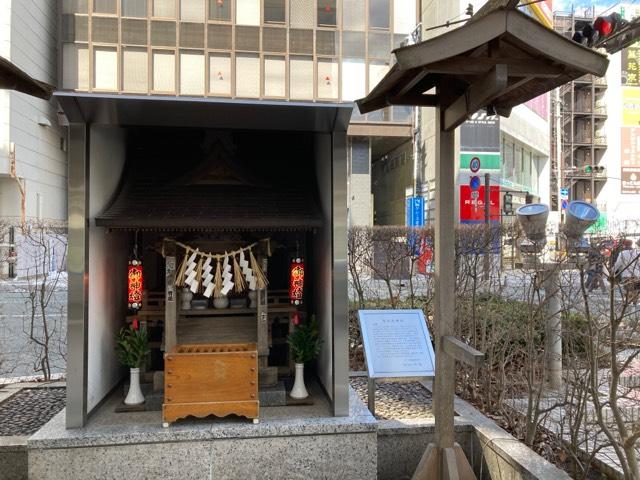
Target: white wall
(322,253)
(29,39)
(107,265)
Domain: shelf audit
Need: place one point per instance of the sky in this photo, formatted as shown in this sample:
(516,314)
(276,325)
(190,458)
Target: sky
(565,5)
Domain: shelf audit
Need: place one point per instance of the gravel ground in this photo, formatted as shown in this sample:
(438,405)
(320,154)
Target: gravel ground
(397,401)
(26,411)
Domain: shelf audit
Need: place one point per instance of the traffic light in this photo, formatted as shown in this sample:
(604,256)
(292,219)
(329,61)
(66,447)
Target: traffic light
(585,34)
(611,32)
(588,169)
(528,198)
(507,203)
(598,169)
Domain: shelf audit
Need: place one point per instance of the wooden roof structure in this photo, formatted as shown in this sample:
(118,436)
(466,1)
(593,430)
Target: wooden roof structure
(499,59)
(12,78)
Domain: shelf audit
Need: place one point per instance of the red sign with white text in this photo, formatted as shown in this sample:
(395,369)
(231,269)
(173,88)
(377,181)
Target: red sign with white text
(472,204)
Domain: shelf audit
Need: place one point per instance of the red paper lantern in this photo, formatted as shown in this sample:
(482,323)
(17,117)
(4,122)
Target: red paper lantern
(134,284)
(296,281)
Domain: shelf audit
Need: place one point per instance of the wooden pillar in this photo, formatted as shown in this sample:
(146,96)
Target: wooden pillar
(171,300)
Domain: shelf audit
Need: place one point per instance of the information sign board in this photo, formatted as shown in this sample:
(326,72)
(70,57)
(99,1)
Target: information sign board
(396,343)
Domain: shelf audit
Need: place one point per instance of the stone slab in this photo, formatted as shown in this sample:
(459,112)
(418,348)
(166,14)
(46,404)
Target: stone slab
(275,396)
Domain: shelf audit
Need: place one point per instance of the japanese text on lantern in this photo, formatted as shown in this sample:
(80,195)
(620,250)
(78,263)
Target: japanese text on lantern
(296,281)
(134,284)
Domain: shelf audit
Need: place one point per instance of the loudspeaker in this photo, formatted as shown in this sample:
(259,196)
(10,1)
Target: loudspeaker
(579,216)
(533,219)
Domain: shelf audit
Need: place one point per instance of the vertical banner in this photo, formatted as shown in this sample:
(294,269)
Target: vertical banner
(630,129)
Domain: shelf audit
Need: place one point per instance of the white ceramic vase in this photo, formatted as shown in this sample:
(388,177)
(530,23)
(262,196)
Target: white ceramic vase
(134,395)
(299,391)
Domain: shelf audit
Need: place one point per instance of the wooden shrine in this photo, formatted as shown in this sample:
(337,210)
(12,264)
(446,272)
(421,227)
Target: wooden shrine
(498,60)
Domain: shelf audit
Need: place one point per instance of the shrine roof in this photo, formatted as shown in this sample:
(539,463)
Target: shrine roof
(501,59)
(13,78)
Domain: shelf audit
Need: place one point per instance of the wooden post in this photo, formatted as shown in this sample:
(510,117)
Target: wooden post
(171,300)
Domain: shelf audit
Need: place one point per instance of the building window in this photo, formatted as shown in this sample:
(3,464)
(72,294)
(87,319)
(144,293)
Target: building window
(75,6)
(191,73)
(248,12)
(353,15)
(353,44)
(377,70)
(220,74)
(275,76)
(379,14)
(192,35)
(105,65)
(134,32)
(301,14)
(247,75)
(164,8)
(353,79)
(104,30)
(360,156)
(379,45)
(134,8)
(76,66)
(327,42)
(301,41)
(220,10)
(274,39)
(274,11)
(192,10)
(404,16)
(134,70)
(327,78)
(301,78)
(219,37)
(327,13)
(164,71)
(75,28)
(104,6)
(248,39)
(163,34)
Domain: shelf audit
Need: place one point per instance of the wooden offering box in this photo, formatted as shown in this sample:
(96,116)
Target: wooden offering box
(211,379)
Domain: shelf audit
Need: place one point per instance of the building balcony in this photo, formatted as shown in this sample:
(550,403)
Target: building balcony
(591,79)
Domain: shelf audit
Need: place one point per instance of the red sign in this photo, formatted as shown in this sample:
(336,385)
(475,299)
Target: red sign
(296,281)
(134,284)
(472,204)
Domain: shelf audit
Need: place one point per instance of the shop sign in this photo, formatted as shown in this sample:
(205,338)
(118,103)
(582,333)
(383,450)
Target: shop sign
(472,204)
(476,161)
(630,106)
(631,66)
(630,180)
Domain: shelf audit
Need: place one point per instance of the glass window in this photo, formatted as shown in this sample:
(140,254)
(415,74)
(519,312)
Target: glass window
(75,6)
(327,13)
(164,8)
(163,34)
(248,38)
(247,75)
(402,113)
(327,78)
(353,44)
(404,16)
(327,42)
(220,10)
(192,73)
(301,41)
(219,37)
(353,15)
(360,156)
(274,39)
(134,70)
(220,74)
(301,14)
(134,32)
(75,28)
(248,12)
(274,76)
(274,11)
(192,10)
(379,45)
(353,79)
(377,70)
(164,71)
(75,66)
(301,78)
(192,35)
(104,6)
(104,30)
(134,8)
(379,13)
(105,65)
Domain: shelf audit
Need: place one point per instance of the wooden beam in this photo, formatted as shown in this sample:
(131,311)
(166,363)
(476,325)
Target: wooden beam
(413,82)
(519,67)
(462,352)
(171,300)
(415,99)
(478,95)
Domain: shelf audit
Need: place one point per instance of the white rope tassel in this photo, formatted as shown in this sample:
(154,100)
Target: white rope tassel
(247,272)
(227,276)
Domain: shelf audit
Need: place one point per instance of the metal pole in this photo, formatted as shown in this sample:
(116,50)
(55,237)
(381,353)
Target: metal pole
(553,327)
(444,383)
(487,221)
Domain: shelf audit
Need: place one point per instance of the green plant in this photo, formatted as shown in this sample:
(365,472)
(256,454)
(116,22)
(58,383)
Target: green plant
(304,341)
(132,346)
